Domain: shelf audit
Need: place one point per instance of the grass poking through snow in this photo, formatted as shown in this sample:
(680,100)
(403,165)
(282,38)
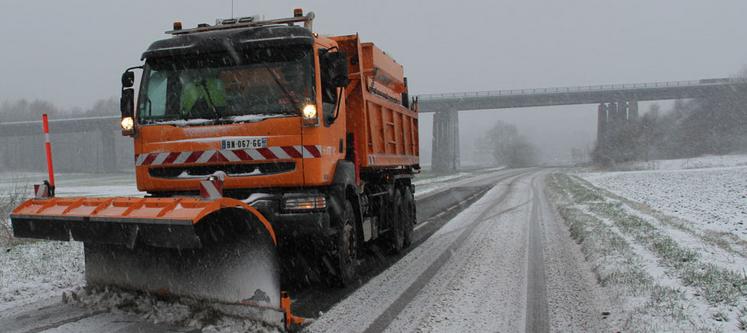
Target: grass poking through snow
(604,229)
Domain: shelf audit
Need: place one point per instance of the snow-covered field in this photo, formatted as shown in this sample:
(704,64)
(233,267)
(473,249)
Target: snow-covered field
(670,242)
(708,161)
(709,199)
(663,275)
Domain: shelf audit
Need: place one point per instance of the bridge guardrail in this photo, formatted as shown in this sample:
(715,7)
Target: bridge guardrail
(591,88)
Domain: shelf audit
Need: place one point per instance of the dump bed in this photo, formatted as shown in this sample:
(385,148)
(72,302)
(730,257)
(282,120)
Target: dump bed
(383,123)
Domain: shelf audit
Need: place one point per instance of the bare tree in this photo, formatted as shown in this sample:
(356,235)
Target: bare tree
(507,147)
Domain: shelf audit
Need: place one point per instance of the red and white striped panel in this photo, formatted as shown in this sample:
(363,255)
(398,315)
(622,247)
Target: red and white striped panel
(211,189)
(208,156)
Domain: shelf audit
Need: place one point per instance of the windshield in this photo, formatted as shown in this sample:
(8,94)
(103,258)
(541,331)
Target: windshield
(260,83)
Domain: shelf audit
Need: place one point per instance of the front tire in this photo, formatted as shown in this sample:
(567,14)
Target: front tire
(347,246)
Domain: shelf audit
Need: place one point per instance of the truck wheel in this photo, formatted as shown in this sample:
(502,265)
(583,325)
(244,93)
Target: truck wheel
(397,234)
(409,221)
(347,246)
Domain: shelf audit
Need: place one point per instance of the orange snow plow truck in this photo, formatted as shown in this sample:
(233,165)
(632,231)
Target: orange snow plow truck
(256,142)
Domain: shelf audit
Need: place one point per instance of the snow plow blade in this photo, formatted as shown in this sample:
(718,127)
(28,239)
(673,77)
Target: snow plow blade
(222,250)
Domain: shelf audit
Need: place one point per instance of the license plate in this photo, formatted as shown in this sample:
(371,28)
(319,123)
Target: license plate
(244,143)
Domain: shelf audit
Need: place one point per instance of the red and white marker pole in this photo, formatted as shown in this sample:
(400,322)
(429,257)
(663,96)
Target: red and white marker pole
(48,147)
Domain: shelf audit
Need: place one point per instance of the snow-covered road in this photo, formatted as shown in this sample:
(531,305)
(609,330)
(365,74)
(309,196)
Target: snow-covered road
(503,264)
(444,199)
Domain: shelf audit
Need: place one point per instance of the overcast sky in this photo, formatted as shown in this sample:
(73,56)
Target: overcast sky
(73,52)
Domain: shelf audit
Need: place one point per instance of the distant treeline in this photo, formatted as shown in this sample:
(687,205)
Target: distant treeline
(716,125)
(24,110)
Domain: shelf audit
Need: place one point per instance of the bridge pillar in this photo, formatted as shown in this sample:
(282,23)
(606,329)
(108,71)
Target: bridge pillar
(632,110)
(445,149)
(613,115)
(108,152)
(601,123)
(622,109)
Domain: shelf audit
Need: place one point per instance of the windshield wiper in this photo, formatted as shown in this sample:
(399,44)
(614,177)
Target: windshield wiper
(281,85)
(203,84)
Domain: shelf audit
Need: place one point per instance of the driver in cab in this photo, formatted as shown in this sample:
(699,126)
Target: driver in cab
(204,94)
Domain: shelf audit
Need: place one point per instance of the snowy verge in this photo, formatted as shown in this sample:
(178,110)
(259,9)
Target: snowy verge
(36,270)
(661,282)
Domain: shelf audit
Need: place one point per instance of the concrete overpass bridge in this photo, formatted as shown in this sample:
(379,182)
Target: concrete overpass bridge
(616,102)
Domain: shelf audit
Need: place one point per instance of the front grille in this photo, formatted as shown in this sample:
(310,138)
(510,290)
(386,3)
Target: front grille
(233,170)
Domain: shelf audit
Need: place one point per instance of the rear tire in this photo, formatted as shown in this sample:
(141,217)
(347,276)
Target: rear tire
(347,246)
(409,217)
(397,233)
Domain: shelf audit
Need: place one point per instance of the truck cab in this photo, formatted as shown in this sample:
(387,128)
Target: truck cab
(251,102)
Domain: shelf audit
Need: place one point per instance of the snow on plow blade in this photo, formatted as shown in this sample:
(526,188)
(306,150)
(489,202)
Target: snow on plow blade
(220,250)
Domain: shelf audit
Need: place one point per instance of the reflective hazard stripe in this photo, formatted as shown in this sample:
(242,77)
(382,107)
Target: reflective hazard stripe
(207,156)
(211,189)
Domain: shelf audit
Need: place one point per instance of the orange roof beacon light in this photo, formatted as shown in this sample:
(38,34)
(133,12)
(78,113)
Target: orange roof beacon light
(296,140)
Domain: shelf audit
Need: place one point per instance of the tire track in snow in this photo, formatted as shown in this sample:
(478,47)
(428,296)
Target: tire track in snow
(382,321)
(536,316)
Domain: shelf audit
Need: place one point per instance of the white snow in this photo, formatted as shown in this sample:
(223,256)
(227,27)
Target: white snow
(201,121)
(37,270)
(182,122)
(470,276)
(706,161)
(372,299)
(71,184)
(182,312)
(430,185)
(713,199)
(701,205)
(256,117)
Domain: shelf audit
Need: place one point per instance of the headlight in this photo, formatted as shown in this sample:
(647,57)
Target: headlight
(127,123)
(309,111)
(309,115)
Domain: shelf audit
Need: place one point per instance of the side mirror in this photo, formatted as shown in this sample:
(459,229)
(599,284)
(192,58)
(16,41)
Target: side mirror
(127,102)
(337,69)
(127,108)
(128,79)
